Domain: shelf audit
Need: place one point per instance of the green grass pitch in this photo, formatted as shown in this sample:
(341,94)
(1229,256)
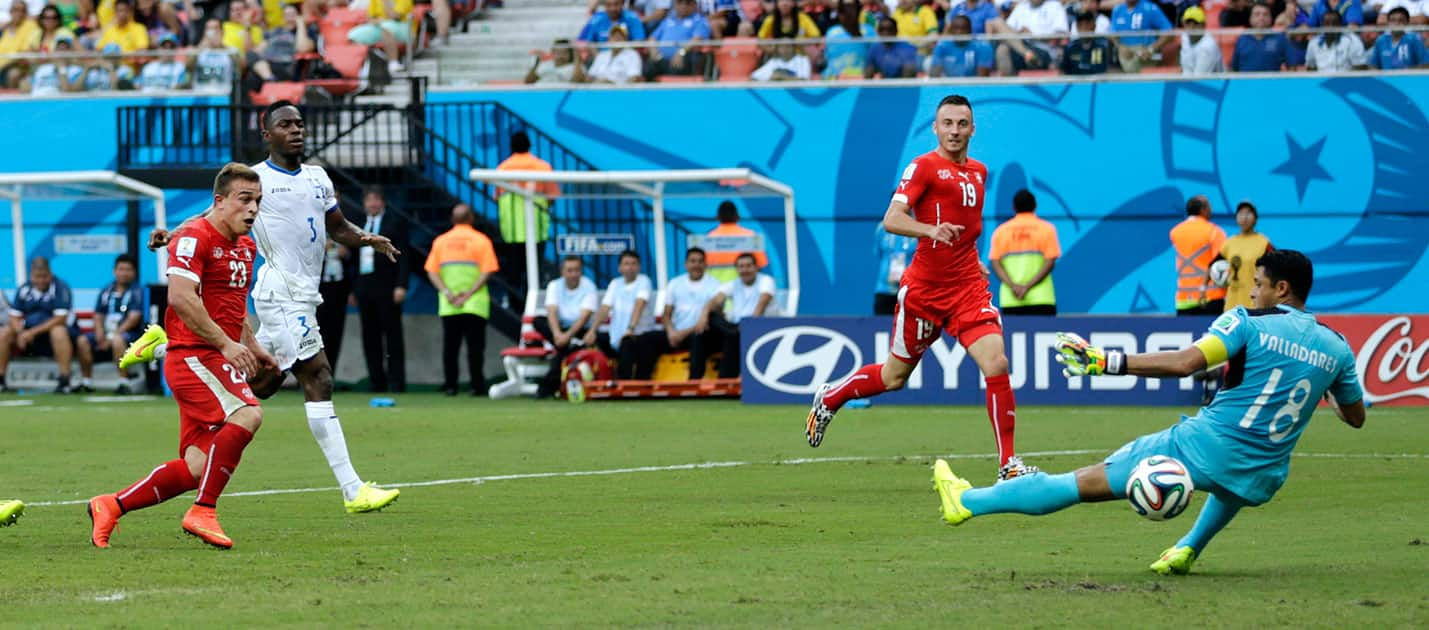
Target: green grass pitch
(777,535)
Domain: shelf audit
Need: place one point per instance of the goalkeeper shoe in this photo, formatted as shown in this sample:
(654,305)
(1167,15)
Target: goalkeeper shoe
(819,417)
(202,523)
(1175,560)
(950,489)
(10,512)
(1015,468)
(104,516)
(144,348)
(370,498)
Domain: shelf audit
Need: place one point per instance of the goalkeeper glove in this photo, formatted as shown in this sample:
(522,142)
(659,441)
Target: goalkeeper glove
(1079,358)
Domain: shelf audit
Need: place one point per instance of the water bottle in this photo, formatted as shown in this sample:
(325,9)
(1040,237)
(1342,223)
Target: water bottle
(383,402)
(858,403)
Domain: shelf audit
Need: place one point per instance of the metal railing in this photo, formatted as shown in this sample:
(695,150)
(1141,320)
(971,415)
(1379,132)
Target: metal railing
(711,60)
(463,136)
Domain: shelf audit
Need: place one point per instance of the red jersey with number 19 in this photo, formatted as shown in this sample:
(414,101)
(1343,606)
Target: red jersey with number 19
(940,190)
(222,268)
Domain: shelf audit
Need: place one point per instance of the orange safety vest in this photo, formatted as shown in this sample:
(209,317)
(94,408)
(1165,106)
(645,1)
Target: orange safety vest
(1197,242)
(726,259)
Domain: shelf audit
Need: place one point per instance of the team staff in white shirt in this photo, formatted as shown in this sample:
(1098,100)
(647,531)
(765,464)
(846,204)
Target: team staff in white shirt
(570,304)
(299,211)
(686,296)
(750,295)
(626,306)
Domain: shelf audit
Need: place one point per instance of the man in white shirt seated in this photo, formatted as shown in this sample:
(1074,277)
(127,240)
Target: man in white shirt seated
(570,302)
(786,64)
(615,65)
(1030,17)
(626,305)
(685,301)
(1200,53)
(1335,52)
(750,295)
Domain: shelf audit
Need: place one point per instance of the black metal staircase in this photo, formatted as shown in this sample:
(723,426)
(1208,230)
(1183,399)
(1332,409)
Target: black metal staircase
(419,153)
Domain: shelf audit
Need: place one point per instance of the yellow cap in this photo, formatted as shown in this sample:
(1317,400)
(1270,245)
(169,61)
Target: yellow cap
(1194,14)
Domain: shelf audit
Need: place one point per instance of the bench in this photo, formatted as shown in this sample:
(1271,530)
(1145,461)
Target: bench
(42,373)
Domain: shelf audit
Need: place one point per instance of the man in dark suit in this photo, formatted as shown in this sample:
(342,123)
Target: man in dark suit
(380,286)
(336,289)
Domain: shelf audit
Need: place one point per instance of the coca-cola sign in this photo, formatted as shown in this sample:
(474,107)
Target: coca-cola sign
(1391,355)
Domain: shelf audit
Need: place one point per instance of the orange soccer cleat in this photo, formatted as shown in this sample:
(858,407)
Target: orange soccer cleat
(104,516)
(203,522)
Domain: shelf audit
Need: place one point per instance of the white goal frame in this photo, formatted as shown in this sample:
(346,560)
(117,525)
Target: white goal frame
(650,185)
(71,186)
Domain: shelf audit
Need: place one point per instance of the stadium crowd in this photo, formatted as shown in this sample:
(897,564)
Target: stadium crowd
(49,47)
(682,40)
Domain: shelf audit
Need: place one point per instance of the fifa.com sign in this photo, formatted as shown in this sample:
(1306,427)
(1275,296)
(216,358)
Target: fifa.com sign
(785,360)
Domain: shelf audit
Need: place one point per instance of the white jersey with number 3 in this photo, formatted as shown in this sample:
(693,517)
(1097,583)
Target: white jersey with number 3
(291,231)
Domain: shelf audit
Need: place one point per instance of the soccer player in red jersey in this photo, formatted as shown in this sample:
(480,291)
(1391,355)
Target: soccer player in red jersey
(210,352)
(939,201)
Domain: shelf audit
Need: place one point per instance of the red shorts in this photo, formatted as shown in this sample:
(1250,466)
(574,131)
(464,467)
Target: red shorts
(923,312)
(208,391)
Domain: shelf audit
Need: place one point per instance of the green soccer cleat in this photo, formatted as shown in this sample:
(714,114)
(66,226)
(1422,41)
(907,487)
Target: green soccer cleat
(10,512)
(143,348)
(370,498)
(950,489)
(1175,560)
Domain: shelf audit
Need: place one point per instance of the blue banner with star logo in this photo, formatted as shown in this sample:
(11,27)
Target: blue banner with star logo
(1336,166)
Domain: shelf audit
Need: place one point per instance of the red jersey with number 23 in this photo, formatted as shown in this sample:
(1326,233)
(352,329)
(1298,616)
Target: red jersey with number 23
(222,268)
(940,190)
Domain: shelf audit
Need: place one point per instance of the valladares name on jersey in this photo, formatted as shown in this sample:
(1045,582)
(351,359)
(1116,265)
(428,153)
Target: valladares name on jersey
(1314,358)
(1227,323)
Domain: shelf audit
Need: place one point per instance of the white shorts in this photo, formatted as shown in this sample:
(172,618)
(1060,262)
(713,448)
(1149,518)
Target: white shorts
(288,330)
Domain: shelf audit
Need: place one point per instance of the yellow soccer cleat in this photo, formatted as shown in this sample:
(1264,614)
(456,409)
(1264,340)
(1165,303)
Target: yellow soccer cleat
(950,489)
(370,498)
(10,511)
(143,348)
(1175,560)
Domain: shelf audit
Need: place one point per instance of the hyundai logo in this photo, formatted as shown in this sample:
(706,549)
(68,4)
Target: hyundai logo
(799,359)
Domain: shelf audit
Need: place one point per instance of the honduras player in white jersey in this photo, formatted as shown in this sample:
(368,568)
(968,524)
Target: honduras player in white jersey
(298,213)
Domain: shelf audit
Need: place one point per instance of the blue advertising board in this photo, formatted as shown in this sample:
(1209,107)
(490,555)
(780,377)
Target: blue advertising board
(786,359)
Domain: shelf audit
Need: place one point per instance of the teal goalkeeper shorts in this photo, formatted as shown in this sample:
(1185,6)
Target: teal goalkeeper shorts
(1170,443)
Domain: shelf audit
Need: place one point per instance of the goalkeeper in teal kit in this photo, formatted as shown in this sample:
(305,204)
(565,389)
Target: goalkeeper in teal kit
(1237,449)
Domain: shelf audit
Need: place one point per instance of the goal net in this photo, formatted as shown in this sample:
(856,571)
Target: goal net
(658,213)
(37,191)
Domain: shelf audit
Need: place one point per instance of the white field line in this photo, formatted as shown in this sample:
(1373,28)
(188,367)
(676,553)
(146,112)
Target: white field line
(730,464)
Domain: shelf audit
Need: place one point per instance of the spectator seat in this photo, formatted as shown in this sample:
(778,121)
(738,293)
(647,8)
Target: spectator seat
(274,91)
(737,59)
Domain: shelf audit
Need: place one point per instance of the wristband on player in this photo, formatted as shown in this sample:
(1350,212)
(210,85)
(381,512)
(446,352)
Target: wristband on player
(1115,362)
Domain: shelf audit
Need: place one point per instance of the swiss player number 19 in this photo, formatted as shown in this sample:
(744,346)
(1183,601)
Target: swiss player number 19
(969,194)
(237,274)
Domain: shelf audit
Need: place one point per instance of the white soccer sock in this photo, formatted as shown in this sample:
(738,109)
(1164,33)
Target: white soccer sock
(161,350)
(322,421)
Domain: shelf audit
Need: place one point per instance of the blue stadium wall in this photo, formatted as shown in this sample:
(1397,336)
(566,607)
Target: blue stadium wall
(75,134)
(1335,166)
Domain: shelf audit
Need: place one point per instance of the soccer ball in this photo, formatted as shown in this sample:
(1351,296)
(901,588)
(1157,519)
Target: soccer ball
(1159,488)
(1220,273)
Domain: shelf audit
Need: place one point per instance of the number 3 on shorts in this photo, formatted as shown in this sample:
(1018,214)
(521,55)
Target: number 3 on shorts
(303,321)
